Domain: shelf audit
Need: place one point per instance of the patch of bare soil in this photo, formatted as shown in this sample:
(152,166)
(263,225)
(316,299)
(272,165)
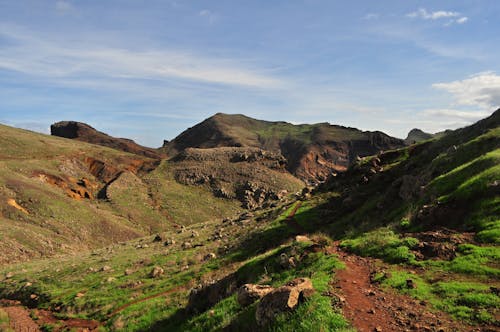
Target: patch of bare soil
(370,308)
(20,320)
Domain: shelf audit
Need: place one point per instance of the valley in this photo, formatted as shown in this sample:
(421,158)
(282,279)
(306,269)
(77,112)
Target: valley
(247,225)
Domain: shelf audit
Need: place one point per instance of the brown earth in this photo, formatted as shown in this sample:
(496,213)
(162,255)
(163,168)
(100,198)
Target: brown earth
(21,319)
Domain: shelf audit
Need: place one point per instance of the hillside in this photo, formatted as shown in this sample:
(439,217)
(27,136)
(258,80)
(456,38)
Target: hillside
(61,196)
(85,133)
(312,151)
(403,240)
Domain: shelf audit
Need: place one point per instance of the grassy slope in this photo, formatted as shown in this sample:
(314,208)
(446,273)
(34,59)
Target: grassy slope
(252,255)
(452,185)
(55,223)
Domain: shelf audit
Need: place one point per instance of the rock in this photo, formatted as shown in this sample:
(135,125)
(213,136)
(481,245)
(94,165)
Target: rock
(249,293)
(9,275)
(287,262)
(169,242)
(78,295)
(209,256)
(302,238)
(105,268)
(194,234)
(156,272)
(187,245)
(33,296)
(111,279)
(410,284)
(282,299)
(128,272)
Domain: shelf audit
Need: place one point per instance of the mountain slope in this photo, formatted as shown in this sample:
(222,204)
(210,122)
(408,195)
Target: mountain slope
(85,133)
(312,151)
(61,196)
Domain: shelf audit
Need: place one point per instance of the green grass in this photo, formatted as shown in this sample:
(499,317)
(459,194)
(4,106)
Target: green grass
(383,243)
(470,301)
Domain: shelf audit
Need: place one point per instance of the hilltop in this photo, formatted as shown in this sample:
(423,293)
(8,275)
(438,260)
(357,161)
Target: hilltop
(85,133)
(312,151)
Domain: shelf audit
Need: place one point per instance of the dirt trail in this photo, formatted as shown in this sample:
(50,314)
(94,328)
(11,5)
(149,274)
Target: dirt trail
(370,308)
(20,320)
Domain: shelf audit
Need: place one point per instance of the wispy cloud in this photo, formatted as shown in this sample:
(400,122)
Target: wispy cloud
(482,89)
(209,15)
(455,114)
(453,17)
(35,56)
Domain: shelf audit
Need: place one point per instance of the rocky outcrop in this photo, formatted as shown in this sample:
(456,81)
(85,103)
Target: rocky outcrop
(249,293)
(283,299)
(312,152)
(84,132)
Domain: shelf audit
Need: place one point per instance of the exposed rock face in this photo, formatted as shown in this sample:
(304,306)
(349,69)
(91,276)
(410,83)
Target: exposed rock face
(249,293)
(250,175)
(85,133)
(312,152)
(282,299)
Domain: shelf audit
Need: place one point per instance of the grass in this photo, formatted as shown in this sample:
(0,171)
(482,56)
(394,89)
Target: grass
(471,301)
(5,322)
(383,243)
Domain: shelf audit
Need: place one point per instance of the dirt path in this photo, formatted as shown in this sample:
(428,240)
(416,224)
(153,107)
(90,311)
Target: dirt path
(370,308)
(20,320)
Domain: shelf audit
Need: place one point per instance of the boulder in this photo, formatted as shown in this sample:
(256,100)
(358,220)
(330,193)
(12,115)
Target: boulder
(156,272)
(249,293)
(282,299)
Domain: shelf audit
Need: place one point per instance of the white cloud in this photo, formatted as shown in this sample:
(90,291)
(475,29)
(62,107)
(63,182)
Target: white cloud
(454,17)
(482,89)
(424,14)
(63,6)
(455,114)
(32,55)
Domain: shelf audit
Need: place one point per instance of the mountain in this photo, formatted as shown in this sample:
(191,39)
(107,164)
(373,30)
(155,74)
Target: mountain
(312,151)
(406,239)
(84,132)
(416,135)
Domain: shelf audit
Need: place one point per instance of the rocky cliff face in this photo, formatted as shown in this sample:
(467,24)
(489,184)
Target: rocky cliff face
(85,133)
(312,152)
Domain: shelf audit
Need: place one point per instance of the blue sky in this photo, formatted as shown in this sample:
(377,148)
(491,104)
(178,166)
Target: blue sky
(147,70)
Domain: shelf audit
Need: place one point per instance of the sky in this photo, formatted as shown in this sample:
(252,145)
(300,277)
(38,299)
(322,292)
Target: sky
(147,70)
